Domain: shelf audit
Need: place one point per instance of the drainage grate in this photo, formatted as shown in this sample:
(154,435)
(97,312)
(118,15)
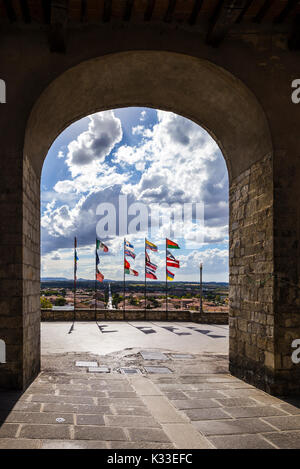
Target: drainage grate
(158,369)
(99,369)
(148,355)
(130,371)
(86,364)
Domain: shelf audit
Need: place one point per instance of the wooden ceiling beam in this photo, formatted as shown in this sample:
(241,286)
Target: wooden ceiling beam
(83,11)
(107,11)
(195,12)
(10,11)
(263,11)
(244,11)
(25,11)
(46,7)
(226,14)
(149,10)
(128,10)
(291,4)
(294,40)
(58,27)
(170,11)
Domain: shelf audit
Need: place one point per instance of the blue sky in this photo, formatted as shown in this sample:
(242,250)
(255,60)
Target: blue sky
(151,159)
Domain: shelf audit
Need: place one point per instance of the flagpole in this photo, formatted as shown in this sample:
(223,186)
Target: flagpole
(96,282)
(75,261)
(166,285)
(145,285)
(124,280)
(201,306)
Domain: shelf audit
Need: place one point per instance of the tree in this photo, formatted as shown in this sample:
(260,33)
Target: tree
(60,301)
(45,303)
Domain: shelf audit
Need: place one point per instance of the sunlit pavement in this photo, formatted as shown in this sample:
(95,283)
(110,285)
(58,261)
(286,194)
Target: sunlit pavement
(107,337)
(194,403)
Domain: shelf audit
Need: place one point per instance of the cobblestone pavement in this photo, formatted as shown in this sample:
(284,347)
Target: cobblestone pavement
(198,405)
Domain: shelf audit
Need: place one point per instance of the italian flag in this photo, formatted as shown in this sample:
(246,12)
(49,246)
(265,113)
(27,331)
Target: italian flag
(171,244)
(131,272)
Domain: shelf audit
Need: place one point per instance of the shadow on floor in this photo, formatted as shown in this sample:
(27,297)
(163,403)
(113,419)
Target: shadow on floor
(8,400)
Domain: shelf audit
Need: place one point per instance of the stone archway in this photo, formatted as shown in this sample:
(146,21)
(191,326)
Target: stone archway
(227,109)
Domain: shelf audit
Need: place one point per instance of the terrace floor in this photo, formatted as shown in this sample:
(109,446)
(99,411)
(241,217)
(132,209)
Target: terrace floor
(196,404)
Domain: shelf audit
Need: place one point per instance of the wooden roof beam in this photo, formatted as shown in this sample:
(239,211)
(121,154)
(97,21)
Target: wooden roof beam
(128,10)
(263,11)
(195,12)
(226,14)
(58,27)
(294,40)
(25,11)
(291,4)
(170,11)
(149,10)
(10,11)
(107,11)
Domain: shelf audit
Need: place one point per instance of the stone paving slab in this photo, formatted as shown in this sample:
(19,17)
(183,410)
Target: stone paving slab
(187,409)
(46,431)
(87,419)
(261,411)
(182,404)
(184,438)
(284,423)
(99,433)
(230,427)
(240,442)
(39,418)
(284,440)
(72,444)
(148,434)
(130,421)
(7,443)
(207,414)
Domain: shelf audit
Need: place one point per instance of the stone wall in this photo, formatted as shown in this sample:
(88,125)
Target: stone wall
(11,287)
(134,315)
(251,317)
(31,273)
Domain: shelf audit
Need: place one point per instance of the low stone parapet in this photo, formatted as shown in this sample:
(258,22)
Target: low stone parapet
(134,315)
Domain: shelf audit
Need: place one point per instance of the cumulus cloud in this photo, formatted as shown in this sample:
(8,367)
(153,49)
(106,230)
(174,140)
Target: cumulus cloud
(92,146)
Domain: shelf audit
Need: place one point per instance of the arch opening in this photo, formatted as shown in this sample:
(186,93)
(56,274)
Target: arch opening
(156,175)
(217,101)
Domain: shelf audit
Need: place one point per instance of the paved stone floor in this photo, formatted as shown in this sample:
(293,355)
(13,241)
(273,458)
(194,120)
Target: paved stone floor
(198,405)
(112,336)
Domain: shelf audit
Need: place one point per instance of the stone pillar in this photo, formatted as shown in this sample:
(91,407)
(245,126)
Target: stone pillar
(31,273)
(287,266)
(251,318)
(19,271)
(264,268)
(11,271)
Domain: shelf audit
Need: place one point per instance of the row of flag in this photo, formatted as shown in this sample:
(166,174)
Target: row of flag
(150,267)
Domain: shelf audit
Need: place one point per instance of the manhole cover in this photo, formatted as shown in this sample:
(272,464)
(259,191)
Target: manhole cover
(181,356)
(130,371)
(147,355)
(157,369)
(60,420)
(99,369)
(87,364)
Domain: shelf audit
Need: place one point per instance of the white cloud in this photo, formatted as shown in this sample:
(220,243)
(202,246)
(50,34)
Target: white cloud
(89,150)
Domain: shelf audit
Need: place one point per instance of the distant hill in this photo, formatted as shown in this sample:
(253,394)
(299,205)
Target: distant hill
(54,279)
